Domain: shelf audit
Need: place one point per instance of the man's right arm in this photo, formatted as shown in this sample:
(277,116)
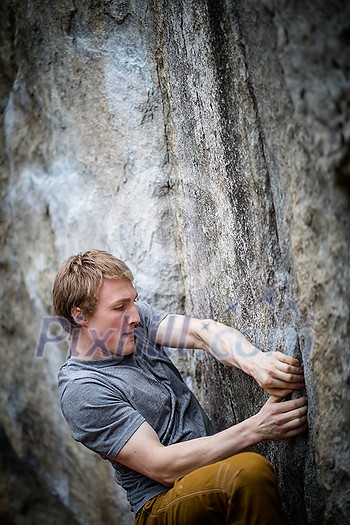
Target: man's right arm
(275,421)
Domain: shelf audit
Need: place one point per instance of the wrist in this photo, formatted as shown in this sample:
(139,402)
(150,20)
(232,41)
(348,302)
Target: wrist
(250,431)
(250,360)
(257,434)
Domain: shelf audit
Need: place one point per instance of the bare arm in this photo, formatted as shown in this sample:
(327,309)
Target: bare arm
(145,454)
(276,372)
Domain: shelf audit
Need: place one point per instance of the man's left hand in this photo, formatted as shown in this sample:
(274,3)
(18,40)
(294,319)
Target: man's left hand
(277,373)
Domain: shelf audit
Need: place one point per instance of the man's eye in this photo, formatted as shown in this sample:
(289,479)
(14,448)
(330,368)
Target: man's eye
(121,307)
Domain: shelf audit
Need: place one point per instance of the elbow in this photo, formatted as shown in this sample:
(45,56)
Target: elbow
(164,476)
(168,481)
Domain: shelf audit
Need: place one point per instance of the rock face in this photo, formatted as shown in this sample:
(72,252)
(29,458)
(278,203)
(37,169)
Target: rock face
(84,165)
(207,144)
(259,104)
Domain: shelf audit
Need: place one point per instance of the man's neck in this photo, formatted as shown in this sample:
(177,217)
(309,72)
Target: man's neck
(84,349)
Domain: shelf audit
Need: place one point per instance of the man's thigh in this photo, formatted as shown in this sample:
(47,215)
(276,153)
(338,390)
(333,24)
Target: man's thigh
(216,494)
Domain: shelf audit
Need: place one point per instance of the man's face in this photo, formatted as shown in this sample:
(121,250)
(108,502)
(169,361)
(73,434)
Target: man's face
(111,327)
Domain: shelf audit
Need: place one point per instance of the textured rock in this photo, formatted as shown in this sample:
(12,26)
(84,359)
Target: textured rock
(207,144)
(85,166)
(258,94)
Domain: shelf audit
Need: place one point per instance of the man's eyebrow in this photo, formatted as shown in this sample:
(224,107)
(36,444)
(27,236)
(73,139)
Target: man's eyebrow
(124,300)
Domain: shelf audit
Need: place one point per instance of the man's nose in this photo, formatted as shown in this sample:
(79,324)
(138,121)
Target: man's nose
(132,316)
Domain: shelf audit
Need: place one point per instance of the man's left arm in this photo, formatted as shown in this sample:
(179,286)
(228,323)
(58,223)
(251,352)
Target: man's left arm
(277,373)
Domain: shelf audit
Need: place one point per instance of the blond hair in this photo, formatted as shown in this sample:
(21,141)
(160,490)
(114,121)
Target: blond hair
(79,280)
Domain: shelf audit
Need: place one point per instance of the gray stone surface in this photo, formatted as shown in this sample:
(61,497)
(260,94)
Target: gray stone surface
(84,165)
(207,144)
(258,96)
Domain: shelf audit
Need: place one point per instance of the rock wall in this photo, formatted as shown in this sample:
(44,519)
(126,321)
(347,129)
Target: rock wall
(258,97)
(208,146)
(84,165)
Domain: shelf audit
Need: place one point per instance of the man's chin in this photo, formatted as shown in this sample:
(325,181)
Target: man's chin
(127,347)
(128,350)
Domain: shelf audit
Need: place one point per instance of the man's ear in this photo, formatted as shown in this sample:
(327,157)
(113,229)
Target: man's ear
(78,316)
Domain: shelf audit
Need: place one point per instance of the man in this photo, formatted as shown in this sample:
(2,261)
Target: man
(124,399)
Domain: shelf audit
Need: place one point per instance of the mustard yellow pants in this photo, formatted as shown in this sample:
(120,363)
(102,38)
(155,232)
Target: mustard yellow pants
(240,490)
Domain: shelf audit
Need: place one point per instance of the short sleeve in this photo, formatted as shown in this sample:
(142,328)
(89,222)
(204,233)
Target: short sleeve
(98,417)
(150,318)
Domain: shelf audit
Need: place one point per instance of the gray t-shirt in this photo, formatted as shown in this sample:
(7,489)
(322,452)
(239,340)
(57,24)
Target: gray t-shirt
(104,402)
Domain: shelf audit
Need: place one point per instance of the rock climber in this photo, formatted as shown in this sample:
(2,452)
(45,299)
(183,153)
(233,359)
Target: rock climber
(123,398)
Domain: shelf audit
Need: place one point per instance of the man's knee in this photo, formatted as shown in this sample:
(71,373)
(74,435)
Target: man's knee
(256,463)
(255,495)
(251,468)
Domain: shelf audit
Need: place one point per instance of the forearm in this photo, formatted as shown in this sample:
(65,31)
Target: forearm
(179,459)
(225,343)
